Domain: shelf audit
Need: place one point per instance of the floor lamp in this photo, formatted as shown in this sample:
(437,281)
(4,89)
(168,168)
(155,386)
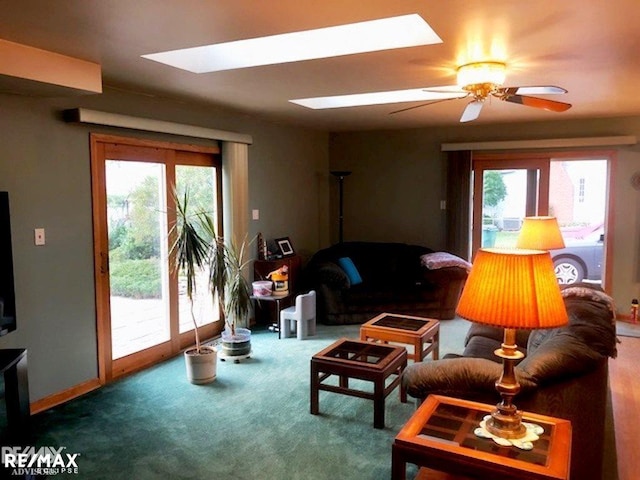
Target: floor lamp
(340,174)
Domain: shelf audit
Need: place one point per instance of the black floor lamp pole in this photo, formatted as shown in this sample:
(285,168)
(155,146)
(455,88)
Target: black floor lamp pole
(341,174)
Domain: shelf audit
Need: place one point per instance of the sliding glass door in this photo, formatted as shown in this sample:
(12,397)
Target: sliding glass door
(138,256)
(574,189)
(142,309)
(203,187)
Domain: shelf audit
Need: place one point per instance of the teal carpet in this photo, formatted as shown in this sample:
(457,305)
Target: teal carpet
(253,422)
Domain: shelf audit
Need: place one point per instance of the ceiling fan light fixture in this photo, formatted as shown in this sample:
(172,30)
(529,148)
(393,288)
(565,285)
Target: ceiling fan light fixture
(480,73)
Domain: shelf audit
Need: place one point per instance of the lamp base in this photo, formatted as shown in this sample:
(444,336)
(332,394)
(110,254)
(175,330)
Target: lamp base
(532,433)
(506,422)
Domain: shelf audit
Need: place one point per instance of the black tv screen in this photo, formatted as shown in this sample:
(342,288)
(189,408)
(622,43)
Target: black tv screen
(7,289)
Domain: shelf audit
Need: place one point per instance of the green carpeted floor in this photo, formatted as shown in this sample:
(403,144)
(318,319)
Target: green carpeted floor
(253,422)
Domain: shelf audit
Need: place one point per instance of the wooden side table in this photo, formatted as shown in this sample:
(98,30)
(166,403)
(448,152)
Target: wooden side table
(368,361)
(440,436)
(422,333)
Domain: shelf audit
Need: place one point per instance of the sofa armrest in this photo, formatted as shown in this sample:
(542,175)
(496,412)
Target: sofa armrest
(453,377)
(438,276)
(444,286)
(469,378)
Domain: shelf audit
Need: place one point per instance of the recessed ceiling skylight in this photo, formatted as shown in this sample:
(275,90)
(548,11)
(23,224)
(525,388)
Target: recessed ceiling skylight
(376,98)
(370,36)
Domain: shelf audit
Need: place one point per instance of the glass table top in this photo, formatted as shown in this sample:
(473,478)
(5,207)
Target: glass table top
(402,323)
(456,424)
(362,352)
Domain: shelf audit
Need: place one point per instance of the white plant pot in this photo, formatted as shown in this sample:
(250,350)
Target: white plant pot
(201,367)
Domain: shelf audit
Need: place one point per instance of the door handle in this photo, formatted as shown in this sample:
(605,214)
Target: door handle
(104,263)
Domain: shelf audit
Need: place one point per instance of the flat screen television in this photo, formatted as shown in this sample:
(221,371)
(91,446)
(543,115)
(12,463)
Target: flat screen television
(7,289)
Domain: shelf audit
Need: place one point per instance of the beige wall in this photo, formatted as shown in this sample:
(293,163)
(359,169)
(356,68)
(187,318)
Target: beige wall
(398,177)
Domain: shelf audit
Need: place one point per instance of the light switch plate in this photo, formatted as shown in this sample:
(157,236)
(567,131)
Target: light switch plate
(39,236)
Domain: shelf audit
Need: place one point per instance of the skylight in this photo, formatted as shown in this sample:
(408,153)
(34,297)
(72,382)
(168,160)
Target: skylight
(370,36)
(375,98)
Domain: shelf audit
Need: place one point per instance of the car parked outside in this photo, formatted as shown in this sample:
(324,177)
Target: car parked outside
(582,257)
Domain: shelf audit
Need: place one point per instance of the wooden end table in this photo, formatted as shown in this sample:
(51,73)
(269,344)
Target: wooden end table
(362,360)
(440,436)
(422,333)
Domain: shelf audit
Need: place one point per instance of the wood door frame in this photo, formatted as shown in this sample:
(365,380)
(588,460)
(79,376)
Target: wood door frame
(101,147)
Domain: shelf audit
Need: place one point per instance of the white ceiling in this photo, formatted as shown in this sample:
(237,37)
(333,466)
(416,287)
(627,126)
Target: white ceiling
(589,47)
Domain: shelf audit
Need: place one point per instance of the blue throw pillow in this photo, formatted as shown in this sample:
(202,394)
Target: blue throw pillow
(350,269)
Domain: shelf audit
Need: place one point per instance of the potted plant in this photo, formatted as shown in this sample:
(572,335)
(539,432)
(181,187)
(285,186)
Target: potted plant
(226,279)
(192,249)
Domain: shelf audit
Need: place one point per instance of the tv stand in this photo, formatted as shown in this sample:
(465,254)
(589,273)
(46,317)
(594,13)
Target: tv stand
(13,365)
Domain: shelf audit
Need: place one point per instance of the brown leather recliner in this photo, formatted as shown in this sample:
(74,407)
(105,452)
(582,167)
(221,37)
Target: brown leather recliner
(564,373)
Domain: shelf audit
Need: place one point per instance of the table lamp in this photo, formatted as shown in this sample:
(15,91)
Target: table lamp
(511,288)
(540,233)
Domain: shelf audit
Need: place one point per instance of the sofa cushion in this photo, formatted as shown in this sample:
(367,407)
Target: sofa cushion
(560,357)
(482,347)
(330,274)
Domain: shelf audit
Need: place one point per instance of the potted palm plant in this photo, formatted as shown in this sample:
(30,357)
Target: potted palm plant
(226,280)
(192,249)
(198,246)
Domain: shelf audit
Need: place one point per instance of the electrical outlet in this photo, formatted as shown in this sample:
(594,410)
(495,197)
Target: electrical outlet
(255,214)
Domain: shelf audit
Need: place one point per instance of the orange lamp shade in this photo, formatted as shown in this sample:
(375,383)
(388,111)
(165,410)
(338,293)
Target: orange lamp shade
(540,233)
(513,288)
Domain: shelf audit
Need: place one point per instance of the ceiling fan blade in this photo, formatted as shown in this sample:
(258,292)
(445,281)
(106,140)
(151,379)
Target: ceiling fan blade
(545,104)
(534,90)
(422,105)
(472,111)
(454,89)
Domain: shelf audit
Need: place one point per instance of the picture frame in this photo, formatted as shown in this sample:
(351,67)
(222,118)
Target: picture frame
(284,244)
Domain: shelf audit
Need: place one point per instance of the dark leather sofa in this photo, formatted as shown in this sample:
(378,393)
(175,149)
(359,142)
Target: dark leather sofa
(394,280)
(564,373)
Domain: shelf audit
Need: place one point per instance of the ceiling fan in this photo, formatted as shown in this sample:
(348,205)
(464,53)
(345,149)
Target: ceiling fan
(482,80)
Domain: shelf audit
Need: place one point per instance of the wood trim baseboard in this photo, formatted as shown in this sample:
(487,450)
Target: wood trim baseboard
(624,317)
(61,397)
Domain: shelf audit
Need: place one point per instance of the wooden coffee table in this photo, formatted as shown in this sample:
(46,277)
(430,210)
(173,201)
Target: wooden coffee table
(368,361)
(422,333)
(440,436)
